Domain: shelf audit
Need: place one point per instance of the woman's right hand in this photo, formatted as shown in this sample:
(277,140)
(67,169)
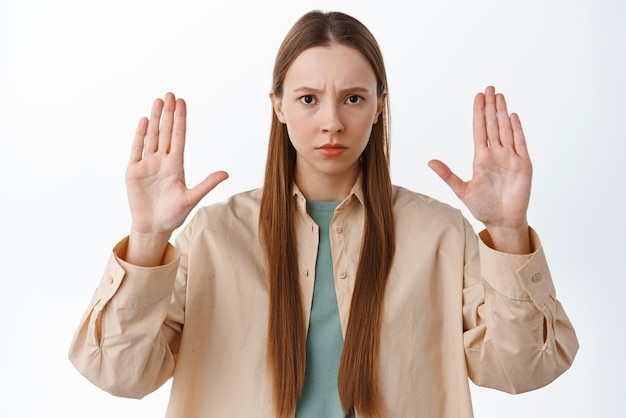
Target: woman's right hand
(155,181)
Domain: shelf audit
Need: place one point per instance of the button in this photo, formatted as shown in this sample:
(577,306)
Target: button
(342,275)
(338,229)
(110,279)
(536,278)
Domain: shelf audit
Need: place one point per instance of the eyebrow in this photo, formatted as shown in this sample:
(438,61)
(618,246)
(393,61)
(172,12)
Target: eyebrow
(355,89)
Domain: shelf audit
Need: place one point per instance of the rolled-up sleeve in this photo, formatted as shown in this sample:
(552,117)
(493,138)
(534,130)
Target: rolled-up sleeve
(517,335)
(121,344)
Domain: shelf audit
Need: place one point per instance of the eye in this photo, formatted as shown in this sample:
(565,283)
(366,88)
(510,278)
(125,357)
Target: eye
(354,99)
(307,99)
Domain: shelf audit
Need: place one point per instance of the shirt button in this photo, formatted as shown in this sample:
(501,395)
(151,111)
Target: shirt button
(536,278)
(338,229)
(342,275)
(110,279)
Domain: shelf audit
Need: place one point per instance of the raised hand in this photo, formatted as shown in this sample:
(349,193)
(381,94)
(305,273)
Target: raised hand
(158,196)
(499,191)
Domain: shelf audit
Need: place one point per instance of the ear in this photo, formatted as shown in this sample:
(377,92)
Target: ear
(277,104)
(379,107)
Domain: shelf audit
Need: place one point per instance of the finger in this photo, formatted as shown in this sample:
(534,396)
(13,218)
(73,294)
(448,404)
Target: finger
(519,139)
(180,128)
(167,122)
(136,151)
(504,123)
(480,130)
(451,179)
(491,117)
(203,188)
(152,135)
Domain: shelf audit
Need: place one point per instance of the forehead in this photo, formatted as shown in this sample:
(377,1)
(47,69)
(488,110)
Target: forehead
(337,64)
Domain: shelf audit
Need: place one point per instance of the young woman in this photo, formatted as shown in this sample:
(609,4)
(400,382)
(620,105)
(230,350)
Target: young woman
(328,292)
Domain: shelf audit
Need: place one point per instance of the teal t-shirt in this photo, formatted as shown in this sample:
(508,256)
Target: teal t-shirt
(320,397)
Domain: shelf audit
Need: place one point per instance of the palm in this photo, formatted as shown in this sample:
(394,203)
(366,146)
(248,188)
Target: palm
(155,179)
(499,190)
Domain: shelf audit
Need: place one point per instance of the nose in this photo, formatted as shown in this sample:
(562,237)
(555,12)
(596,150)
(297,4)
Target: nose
(331,121)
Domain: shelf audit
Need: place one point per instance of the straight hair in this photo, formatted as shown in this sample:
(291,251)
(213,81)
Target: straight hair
(358,383)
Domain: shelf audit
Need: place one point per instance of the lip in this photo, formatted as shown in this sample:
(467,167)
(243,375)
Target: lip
(331,150)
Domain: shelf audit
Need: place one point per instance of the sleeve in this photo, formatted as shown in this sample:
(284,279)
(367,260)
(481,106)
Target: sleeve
(517,336)
(126,342)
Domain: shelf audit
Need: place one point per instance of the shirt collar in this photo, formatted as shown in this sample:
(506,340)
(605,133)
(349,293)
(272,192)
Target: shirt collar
(356,193)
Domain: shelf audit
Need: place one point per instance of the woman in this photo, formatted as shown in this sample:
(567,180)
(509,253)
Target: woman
(328,292)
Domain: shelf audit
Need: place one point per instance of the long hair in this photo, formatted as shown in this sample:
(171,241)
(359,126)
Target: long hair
(286,344)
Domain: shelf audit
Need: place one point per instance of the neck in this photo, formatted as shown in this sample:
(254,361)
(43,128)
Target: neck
(326,187)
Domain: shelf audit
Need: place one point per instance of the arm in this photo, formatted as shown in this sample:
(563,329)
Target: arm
(517,335)
(127,341)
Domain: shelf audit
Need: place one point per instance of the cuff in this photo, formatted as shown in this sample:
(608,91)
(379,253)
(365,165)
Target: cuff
(135,286)
(520,277)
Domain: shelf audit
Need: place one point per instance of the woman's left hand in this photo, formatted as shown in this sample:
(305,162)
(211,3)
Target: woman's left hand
(499,191)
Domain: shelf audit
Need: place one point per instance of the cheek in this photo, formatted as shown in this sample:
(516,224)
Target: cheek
(364,126)
(299,127)
(298,134)
(363,119)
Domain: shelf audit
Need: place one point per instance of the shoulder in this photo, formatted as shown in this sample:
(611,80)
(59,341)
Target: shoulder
(241,208)
(420,217)
(418,212)
(224,229)
(407,202)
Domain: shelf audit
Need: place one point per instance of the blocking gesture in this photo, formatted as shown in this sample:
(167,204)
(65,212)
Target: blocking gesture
(499,190)
(155,178)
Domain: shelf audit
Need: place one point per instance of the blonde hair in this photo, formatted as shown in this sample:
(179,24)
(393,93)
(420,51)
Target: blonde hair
(286,344)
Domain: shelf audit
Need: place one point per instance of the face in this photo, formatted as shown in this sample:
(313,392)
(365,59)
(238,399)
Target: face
(329,105)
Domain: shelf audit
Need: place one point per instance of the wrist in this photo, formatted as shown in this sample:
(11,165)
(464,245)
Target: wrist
(511,240)
(149,236)
(146,249)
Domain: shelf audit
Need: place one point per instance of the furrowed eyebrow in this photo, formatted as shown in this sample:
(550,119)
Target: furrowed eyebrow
(355,89)
(306,90)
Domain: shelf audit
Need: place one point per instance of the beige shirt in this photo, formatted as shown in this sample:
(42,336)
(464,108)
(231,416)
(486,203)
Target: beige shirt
(454,308)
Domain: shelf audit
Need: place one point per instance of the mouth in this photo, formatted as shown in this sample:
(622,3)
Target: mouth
(331,150)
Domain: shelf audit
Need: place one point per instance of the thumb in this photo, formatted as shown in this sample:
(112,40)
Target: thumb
(452,180)
(205,186)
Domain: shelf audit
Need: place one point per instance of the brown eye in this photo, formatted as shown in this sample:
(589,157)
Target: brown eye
(307,99)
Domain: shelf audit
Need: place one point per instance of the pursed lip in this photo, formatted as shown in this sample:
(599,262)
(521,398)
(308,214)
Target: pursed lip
(331,150)
(331,146)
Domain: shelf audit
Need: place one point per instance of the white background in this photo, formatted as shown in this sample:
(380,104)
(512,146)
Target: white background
(76,76)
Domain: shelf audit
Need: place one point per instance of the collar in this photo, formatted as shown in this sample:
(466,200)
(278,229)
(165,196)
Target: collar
(356,193)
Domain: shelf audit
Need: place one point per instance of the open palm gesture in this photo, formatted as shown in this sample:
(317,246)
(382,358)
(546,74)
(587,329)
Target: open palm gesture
(499,190)
(155,178)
